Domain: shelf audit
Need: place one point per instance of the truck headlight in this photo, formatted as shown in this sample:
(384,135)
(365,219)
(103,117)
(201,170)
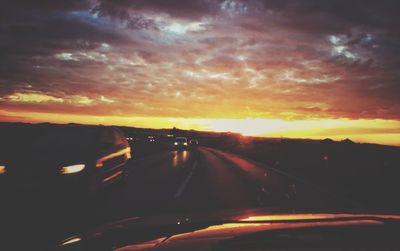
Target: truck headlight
(72,169)
(176,143)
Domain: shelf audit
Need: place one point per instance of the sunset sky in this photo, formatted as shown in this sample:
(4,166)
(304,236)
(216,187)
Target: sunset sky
(302,68)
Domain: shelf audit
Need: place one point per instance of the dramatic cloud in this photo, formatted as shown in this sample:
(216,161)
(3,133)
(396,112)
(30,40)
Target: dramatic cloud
(291,60)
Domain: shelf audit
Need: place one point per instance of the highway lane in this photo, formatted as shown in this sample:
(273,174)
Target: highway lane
(274,189)
(205,179)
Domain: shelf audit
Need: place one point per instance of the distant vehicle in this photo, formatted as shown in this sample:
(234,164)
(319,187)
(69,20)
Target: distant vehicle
(64,160)
(181,143)
(129,138)
(151,139)
(193,142)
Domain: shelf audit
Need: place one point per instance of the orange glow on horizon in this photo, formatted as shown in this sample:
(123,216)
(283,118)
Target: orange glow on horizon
(362,130)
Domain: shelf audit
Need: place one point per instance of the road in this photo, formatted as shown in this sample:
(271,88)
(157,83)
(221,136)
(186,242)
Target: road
(174,182)
(206,179)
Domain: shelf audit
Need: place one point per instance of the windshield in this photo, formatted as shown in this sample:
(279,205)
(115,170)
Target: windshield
(181,140)
(211,107)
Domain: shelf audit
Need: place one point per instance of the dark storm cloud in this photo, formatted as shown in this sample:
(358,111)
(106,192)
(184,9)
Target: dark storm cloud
(134,14)
(178,8)
(146,52)
(44,5)
(31,33)
(382,14)
(357,12)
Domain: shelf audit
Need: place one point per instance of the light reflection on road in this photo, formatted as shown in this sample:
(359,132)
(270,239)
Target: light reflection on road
(180,158)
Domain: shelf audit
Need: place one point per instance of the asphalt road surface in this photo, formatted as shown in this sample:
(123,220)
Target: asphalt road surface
(205,179)
(177,182)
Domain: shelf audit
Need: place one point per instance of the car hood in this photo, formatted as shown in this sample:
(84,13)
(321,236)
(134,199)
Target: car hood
(221,230)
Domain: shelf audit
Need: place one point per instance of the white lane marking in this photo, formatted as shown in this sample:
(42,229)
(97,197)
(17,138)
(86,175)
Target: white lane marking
(185,182)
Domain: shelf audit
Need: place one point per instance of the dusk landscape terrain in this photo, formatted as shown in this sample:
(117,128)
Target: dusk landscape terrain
(199,125)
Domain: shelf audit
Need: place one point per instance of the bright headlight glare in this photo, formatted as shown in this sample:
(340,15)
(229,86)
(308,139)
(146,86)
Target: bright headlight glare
(72,169)
(176,143)
(2,169)
(71,240)
(185,144)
